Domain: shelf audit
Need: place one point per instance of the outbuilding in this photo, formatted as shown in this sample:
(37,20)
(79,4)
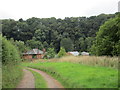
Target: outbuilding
(85,53)
(74,53)
(33,54)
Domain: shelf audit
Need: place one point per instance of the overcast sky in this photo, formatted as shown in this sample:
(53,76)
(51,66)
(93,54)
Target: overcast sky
(25,9)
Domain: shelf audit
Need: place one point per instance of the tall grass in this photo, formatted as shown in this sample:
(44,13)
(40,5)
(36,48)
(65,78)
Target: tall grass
(89,60)
(11,75)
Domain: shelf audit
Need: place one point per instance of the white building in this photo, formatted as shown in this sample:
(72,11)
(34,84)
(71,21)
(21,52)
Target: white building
(85,53)
(75,53)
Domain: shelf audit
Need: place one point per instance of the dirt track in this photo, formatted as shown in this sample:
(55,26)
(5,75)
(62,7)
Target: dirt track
(51,82)
(29,82)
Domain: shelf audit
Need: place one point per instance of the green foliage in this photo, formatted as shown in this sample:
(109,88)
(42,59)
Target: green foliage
(73,75)
(39,80)
(20,46)
(9,52)
(50,53)
(11,72)
(34,44)
(11,75)
(67,44)
(108,38)
(50,32)
(62,52)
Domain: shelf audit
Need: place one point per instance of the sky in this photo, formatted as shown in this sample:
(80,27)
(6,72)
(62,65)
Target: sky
(16,9)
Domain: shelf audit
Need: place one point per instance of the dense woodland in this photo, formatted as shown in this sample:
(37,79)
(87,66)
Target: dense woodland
(72,33)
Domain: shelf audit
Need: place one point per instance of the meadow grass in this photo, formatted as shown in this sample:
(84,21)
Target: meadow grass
(11,76)
(39,80)
(104,61)
(74,75)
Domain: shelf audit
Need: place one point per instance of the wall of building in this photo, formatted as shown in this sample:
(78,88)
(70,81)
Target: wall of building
(27,57)
(38,56)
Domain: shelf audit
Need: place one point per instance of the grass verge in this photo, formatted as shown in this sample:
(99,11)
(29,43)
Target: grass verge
(39,80)
(11,76)
(73,75)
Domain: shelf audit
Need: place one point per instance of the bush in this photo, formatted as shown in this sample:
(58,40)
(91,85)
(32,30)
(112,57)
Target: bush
(20,46)
(50,53)
(62,52)
(11,76)
(9,52)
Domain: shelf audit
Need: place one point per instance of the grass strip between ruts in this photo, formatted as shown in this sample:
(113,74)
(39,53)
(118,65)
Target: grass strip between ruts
(39,80)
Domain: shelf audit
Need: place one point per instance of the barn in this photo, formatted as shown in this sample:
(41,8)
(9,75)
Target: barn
(34,54)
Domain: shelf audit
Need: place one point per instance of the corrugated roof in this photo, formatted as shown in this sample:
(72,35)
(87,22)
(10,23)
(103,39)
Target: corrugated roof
(34,51)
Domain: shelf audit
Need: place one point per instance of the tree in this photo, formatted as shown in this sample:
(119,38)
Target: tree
(89,42)
(50,53)
(67,44)
(62,52)
(50,31)
(82,44)
(21,47)
(34,44)
(108,38)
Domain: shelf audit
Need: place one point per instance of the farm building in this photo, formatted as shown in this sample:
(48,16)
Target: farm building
(74,53)
(33,54)
(85,53)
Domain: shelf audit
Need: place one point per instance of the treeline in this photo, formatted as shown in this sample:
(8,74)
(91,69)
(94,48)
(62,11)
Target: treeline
(74,33)
(11,71)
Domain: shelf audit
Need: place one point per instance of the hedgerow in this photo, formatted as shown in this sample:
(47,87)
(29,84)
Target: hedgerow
(9,52)
(11,71)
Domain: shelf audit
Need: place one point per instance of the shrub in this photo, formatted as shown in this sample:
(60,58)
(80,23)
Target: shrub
(62,52)
(11,76)
(20,46)
(9,52)
(50,53)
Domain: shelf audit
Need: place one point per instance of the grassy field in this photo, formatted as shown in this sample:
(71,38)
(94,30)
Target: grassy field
(104,61)
(11,75)
(39,80)
(74,75)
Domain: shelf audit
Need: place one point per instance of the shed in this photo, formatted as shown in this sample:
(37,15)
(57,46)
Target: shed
(74,53)
(33,54)
(85,53)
